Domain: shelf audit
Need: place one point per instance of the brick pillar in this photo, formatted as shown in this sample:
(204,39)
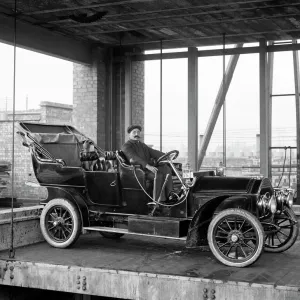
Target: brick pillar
(89,90)
(119,107)
(138,92)
(99,99)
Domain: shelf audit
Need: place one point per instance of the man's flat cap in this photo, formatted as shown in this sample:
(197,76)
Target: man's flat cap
(131,127)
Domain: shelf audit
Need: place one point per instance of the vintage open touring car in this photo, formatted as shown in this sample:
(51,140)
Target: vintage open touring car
(94,190)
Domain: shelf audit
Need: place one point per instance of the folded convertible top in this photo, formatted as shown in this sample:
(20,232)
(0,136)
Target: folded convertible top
(58,138)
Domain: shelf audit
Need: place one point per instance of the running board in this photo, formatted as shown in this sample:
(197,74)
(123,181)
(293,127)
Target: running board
(125,231)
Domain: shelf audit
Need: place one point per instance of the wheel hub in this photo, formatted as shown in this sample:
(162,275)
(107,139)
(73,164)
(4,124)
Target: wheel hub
(235,237)
(59,221)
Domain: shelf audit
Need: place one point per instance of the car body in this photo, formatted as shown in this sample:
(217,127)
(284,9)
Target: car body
(90,189)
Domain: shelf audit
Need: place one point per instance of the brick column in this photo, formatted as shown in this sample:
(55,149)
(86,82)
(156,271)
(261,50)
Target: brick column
(138,93)
(89,90)
(99,99)
(133,96)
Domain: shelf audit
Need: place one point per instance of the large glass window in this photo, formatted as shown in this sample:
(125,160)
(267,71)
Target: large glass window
(242,118)
(284,133)
(43,93)
(283,80)
(284,142)
(6,76)
(39,78)
(6,102)
(174,105)
(210,76)
(242,114)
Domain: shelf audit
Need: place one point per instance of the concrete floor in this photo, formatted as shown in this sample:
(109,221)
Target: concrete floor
(162,256)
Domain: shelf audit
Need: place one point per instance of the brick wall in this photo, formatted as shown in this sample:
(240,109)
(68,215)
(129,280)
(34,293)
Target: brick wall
(56,113)
(119,104)
(49,112)
(89,91)
(138,93)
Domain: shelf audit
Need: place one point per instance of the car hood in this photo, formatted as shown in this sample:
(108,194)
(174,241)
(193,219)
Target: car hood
(223,184)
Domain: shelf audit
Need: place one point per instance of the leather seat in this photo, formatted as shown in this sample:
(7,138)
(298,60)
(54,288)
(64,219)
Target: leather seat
(128,172)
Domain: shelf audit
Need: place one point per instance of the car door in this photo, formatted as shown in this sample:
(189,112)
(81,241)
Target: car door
(103,187)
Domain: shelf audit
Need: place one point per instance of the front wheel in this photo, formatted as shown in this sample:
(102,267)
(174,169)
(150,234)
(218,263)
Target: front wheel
(60,223)
(236,237)
(285,234)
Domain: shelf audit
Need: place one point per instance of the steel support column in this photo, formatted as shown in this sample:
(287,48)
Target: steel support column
(109,103)
(128,108)
(192,107)
(296,77)
(218,105)
(264,111)
(270,64)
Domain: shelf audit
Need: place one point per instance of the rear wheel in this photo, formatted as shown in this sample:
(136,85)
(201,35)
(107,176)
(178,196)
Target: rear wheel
(60,223)
(236,237)
(285,232)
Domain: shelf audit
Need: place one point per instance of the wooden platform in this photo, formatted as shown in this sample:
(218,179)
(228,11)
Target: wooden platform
(150,268)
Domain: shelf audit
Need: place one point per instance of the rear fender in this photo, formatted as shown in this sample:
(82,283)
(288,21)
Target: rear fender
(75,197)
(197,232)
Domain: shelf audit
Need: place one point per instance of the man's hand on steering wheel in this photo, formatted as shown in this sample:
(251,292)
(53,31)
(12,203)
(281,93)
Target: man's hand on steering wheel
(171,155)
(151,169)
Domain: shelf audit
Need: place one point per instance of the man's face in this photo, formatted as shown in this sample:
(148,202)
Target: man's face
(135,134)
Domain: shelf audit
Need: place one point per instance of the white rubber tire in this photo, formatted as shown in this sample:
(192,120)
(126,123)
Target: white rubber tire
(250,219)
(292,237)
(72,210)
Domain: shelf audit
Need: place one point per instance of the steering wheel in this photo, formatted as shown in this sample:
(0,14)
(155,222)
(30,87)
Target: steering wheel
(172,155)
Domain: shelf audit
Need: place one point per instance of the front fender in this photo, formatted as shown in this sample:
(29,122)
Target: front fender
(197,232)
(72,195)
(246,202)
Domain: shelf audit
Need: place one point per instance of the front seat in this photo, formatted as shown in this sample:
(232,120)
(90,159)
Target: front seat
(130,173)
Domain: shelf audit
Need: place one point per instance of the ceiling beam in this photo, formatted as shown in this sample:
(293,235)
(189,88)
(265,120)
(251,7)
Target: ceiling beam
(213,52)
(44,41)
(232,10)
(110,4)
(156,43)
(220,21)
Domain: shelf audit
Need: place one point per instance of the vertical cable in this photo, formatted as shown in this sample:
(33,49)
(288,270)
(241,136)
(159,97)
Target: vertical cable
(290,170)
(160,134)
(11,249)
(224,106)
(120,96)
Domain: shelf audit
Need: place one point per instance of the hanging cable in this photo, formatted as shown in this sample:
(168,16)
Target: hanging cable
(160,143)
(283,166)
(290,169)
(120,91)
(224,106)
(11,248)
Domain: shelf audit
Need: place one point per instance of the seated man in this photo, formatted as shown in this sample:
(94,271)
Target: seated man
(139,153)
